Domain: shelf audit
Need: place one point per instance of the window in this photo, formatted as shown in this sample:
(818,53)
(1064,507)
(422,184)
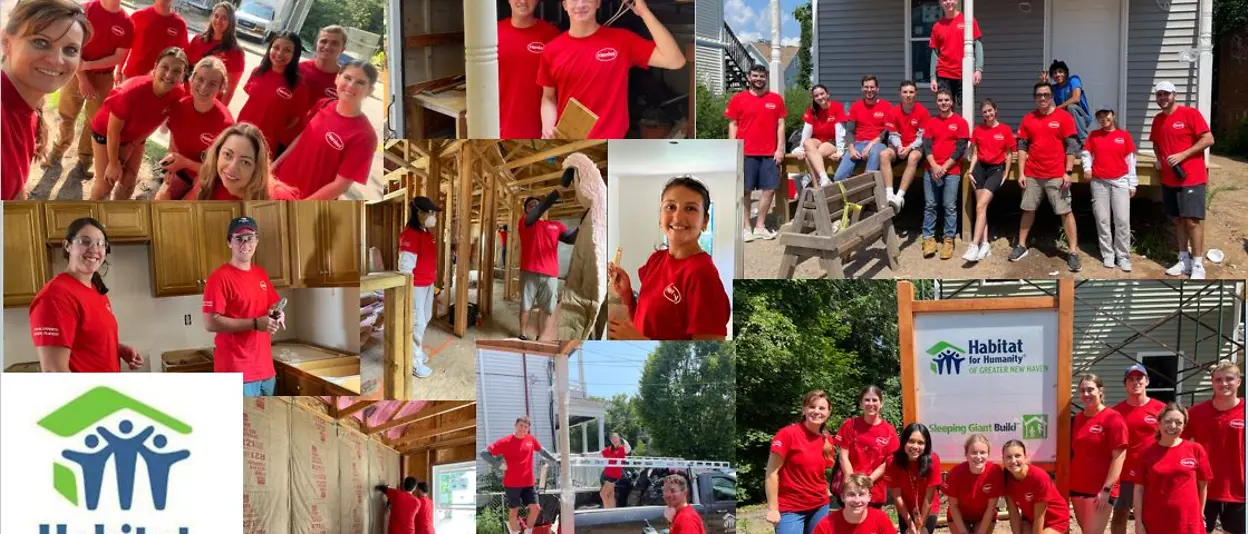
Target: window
(1163,372)
(723,489)
(923,15)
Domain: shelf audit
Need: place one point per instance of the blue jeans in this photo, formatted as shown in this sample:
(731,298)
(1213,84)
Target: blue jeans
(947,193)
(1082,122)
(260,388)
(847,166)
(800,522)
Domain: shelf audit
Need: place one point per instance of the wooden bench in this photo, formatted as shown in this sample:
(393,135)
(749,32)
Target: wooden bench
(813,232)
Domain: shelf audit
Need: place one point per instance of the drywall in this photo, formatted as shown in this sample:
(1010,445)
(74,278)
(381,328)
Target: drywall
(266,453)
(329,317)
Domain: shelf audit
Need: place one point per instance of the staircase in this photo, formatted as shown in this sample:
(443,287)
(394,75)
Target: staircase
(737,62)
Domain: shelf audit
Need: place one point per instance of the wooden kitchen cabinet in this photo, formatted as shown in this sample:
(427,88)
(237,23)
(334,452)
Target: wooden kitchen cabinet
(127,221)
(273,252)
(325,249)
(188,243)
(58,215)
(25,255)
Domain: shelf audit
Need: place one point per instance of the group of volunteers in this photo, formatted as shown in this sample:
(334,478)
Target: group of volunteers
(1181,470)
(411,509)
(301,134)
(74,329)
(1044,147)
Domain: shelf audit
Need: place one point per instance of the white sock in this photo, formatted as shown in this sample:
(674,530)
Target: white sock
(1198,260)
(901,192)
(823,177)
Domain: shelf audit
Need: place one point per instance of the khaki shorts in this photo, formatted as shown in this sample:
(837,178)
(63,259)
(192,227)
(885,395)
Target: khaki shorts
(1037,188)
(538,291)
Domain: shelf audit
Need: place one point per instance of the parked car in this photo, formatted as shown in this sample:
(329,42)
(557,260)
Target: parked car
(256,19)
(202,6)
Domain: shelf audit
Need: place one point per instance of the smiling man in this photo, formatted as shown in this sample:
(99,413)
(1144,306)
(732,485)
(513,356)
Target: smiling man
(320,71)
(156,28)
(521,40)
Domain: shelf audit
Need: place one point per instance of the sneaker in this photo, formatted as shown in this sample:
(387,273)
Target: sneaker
(946,249)
(824,181)
(763,233)
(929,247)
(836,226)
(1184,266)
(420,370)
(1124,264)
(984,252)
(1072,263)
(1108,261)
(748,236)
(1018,253)
(1197,272)
(972,253)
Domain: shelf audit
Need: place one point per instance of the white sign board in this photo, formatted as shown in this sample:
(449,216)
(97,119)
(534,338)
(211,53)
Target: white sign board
(993,373)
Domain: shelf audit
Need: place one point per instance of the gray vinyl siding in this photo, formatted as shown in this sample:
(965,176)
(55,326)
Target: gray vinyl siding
(856,38)
(1140,304)
(1154,40)
(709,67)
(708,60)
(501,383)
(1013,56)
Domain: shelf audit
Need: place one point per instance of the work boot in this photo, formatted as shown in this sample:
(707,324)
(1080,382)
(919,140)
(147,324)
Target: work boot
(929,247)
(946,249)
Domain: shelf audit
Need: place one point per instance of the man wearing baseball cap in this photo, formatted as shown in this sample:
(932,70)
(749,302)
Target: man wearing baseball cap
(1141,414)
(239,306)
(418,256)
(1180,136)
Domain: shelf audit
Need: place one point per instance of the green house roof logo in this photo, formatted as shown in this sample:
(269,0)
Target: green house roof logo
(124,445)
(947,358)
(1036,426)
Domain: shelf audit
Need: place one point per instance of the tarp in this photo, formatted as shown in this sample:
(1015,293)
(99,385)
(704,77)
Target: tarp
(353,482)
(383,468)
(314,474)
(266,453)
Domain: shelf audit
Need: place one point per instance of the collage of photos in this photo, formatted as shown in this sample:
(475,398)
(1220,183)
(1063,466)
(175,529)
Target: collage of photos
(628,266)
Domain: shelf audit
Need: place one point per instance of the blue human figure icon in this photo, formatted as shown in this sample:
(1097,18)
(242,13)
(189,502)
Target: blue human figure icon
(125,457)
(158,466)
(955,360)
(92,465)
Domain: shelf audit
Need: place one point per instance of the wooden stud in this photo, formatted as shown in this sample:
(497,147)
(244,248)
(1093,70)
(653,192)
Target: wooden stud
(354,407)
(470,424)
(428,448)
(429,411)
(905,326)
(1065,349)
(994,304)
(558,150)
(463,249)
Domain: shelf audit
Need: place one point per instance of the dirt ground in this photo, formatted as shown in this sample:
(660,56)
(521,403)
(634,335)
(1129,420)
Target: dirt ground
(1226,228)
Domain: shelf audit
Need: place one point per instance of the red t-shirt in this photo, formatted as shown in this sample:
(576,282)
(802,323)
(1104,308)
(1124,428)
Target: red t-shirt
(238,294)
(520,97)
(1093,442)
(686,521)
(1109,152)
(421,244)
(869,120)
(1046,156)
(136,103)
(153,33)
(876,522)
(945,133)
(993,144)
(757,118)
(234,60)
(1141,430)
(193,132)
(1175,133)
(1037,488)
(1221,433)
(330,146)
(109,32)
(974,492)
(907,125)
(682,298)
(947,39)
(803,482)
(518,453)
(539,246)
(320,84)
(403,510)
(823,124)
(277,191)
(594,70)
(272,105)
(17,145)
(67,313)
(869,447)
(613,452)
(1169,476)
(424,516)
(911,486)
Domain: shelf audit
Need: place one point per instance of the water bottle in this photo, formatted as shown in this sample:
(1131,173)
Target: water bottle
(1178,171)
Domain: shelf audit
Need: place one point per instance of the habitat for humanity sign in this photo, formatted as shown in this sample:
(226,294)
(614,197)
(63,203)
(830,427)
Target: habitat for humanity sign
(121,453)
(993,373)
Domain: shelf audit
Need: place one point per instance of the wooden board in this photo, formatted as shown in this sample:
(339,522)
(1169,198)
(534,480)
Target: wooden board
(576,121)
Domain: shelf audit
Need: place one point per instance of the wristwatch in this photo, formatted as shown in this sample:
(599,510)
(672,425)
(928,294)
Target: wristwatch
(1107,489)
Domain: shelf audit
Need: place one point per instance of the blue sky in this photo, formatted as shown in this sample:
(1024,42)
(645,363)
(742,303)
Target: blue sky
(612,367)
(751,20)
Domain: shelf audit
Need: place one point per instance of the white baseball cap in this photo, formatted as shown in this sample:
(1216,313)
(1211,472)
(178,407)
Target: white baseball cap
(1164,86)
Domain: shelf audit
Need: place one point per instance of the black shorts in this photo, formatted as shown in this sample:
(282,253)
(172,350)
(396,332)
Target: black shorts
(1083,495)
(972,525)
(1230,513)
(954,85)
(603,479)
(517,497)
(1187,201)
(99,138)
(988,176)
(761,173)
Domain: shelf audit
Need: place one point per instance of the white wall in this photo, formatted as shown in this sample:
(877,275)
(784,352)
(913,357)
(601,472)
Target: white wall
(327,317)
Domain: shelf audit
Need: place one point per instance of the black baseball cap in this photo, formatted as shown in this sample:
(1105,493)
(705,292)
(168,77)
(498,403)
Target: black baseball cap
(424,204)
(241,223)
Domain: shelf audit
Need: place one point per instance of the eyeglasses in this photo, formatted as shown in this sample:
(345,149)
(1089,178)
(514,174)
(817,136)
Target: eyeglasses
(87,242)
(246,238)
(1042,95)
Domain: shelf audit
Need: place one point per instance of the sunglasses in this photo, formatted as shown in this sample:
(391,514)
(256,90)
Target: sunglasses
(87,242)
(1042,95)
(246,238)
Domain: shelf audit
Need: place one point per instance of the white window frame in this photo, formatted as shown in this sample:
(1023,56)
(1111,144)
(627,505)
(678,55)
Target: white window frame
(910,40)
(1178,367)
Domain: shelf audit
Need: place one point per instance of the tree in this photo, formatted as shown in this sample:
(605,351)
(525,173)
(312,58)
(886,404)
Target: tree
(709,114)
(1228,17)
(622,418)
(687,399)
(805,65)
(367,15)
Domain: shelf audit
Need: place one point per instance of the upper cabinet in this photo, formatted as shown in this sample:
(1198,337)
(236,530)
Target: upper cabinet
(25,254)
(127,221)
(273,251)
(188,243)
(326,243)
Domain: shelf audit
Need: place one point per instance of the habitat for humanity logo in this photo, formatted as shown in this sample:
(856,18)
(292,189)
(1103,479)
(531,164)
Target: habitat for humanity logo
(124,445)
(982,356)
(1036,426)
(947,359)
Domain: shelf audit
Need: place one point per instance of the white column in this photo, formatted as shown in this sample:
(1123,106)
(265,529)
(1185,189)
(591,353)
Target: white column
(481,68)
(968,62)
(777,77)
(585,437)
(1204,70)
(566,497)
(602,429)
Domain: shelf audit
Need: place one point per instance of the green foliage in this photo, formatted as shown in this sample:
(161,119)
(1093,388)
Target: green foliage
(1234,142)
(622,418)
(1228,16)
(805,63)
(686,399)
(492,519)
(796,101)
(709,114)
(367,15)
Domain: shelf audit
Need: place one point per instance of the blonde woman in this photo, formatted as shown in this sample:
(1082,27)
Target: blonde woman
(236,167)
(973,489)
(195,121)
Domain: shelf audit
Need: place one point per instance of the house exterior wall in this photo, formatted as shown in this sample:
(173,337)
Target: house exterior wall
(857,38)
(1155,38)
(708,25)
(501,384)
(1013,56)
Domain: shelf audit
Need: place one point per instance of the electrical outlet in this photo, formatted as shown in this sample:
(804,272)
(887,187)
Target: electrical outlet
(186,319)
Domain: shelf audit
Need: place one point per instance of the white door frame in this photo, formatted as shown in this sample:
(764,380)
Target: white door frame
(1123,25)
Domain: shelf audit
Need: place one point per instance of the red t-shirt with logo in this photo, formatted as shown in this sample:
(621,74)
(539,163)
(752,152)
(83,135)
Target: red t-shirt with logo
(687,521)
(17,145)
(193,132)
(539,246)
(1093,442)
(234,60)
(974,492)
(947,39)
(907,125)
(67,313)
(869,447)
(876,522)
(320,84)
(803,482)
(421,244)
(869,120)
(277,191)
(823,124)
(153,33)
(1037,488)
(1046,155)
(912,486)
(136,103)
(518,453)
(945,133)
(424,516)
(993,144)
(272,105)
(330,146)
(1175,133)
(1169,476)
(594,71)
(1141,430)
(757,117)
(681,298)
(1109,152)
(109,32)
(1221,433)
(613,452)
(237,294)
(403,510)
(520,96)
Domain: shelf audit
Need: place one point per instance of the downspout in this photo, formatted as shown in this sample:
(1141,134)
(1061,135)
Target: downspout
(777,77)
(524,369)
(481,68)
(968,61)
(1204,78)
(814,42)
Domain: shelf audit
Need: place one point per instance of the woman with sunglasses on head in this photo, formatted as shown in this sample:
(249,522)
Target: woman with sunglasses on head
(1109,158)
(864,443)
(913,479)
(973,489)
(42,46)
(796,482)
(275,92)
(1171,480)
(236,167)
(858,516)
(1032,499)
(71,320)
(1098,449)
(823,134)
(194,123)
(992,153)
(220,39)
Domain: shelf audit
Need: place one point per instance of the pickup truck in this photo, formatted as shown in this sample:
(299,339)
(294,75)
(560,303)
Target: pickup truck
(712,492)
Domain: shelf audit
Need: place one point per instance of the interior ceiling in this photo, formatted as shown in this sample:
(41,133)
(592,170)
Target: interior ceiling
(419,423)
